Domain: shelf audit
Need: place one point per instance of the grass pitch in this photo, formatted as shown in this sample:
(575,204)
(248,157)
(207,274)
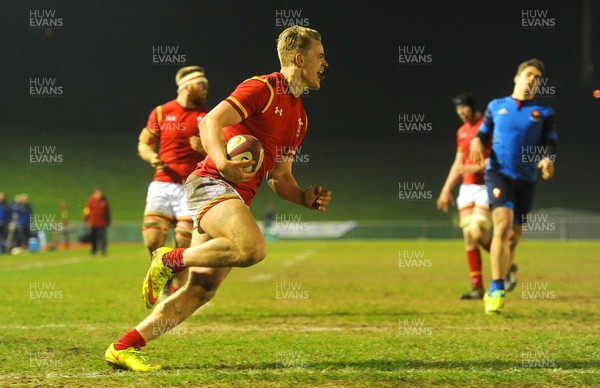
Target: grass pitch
(331,313)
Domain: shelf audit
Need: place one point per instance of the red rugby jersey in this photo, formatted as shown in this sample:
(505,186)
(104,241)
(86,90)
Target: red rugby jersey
(271,114)
(464,135)
(173,125)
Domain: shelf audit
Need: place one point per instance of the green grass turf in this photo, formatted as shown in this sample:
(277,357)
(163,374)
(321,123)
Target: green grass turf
(361,319)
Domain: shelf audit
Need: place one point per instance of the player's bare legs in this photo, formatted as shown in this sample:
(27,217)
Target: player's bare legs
(201,287)
(502,218)
(515,237)
(480,223)
(236,238)
(183,239)
(473,254)
(154,231)
(510,274)
(500,250)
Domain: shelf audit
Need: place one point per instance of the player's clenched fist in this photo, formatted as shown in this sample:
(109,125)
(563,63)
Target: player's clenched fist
(157,163)
(547,167)
(315,197)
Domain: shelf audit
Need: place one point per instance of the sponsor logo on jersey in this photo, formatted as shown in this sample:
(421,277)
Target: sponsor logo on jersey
(503,111)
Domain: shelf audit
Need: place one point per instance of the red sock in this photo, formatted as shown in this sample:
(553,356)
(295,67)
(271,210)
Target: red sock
(487,246)
(132,338)
(174,260)
(474,259)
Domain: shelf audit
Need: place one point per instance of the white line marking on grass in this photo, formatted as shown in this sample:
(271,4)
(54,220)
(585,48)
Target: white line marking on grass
(261,277)
(45,264)
(302,255)
(213,328)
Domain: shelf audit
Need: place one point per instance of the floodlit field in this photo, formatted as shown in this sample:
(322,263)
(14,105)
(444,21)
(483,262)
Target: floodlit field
(314,313)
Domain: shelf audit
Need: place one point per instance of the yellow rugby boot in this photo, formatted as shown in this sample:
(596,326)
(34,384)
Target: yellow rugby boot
(494,302)
(129,358)
(156,278)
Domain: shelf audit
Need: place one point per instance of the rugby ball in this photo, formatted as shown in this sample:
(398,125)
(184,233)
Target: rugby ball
(245,147)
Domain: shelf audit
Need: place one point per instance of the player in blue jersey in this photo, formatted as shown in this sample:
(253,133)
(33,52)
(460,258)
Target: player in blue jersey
(524,140)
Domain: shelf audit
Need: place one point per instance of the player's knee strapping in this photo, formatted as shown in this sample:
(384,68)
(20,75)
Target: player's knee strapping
(183,229)
(156,222)
(482,222)
(465,220)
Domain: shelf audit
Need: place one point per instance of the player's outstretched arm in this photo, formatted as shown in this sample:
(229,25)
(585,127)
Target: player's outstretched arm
(282,182)
(211,134)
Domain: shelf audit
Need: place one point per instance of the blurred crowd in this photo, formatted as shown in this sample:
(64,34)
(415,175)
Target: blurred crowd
(15,222)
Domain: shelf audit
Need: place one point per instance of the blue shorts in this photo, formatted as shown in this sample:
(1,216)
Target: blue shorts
(511,193)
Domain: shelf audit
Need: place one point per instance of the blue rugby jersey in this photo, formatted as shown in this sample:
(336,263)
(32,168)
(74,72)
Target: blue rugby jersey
(521,132)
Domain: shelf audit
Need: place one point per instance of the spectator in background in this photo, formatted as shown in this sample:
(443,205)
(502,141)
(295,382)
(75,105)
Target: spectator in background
(96,215)
(64,216)
(21,215)
(4,221)
(268,218)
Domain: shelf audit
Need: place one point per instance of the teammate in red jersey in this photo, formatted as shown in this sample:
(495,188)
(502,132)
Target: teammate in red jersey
(472,201)
(174,125)
(219,192)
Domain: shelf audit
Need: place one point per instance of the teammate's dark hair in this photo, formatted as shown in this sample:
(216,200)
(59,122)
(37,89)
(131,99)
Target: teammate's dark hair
(465,99)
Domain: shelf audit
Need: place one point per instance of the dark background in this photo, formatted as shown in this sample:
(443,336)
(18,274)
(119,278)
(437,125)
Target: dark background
(102,56)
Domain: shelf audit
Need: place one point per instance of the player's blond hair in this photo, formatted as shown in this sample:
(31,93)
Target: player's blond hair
(292,40)
(187,70)
(532,62)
